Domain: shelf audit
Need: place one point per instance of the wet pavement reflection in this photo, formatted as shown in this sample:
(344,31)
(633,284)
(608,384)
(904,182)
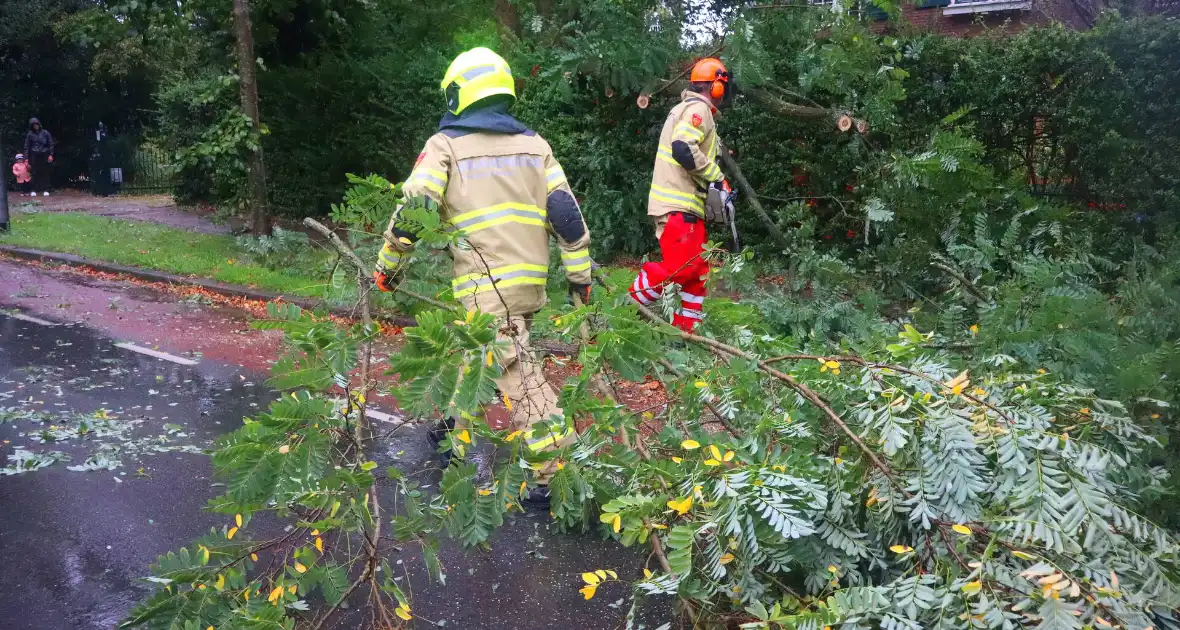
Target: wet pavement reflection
(101,450)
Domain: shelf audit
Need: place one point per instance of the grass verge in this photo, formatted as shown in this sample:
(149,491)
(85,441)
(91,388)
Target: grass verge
(161,248)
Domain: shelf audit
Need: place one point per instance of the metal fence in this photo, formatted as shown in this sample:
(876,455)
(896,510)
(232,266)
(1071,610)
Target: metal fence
(147,170)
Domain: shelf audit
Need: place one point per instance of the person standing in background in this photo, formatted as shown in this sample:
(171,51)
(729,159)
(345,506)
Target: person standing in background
(20,168)
(39,152)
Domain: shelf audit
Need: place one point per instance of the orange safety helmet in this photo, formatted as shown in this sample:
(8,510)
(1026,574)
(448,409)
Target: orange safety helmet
(711,70)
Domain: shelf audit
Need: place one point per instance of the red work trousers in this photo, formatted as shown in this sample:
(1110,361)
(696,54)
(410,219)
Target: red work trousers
(682,238)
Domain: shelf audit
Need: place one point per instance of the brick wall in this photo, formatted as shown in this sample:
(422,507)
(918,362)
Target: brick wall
(932,20)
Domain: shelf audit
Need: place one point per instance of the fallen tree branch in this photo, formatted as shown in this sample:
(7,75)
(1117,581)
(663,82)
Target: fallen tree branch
(721,349)
(967,284)
(667,365)
(779,106)
(735,172)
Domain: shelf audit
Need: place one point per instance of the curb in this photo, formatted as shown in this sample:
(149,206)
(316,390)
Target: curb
(230,290)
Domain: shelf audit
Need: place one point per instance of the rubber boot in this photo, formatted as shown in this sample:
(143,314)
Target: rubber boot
(437,434)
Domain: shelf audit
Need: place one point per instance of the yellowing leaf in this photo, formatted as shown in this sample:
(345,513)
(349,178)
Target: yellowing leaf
(588,591)
(974,329)
(284,449)
(616,523)
(681,506)
(299,567)
(230,534)
(513,436)
(715,451)
(727,558)
(489,358)
(612,574)
(701,384)
(523,485)
(971,588)
(677,459)
(275,594)
(600,573)
(712,462)
(900,549)
(1023,556)
(728,456)
(335,508)
(220,583)
(832,569)
(319,544)
(689,445)
(291,589)
(402,612)
(204,554)
(483,492)
(1052,578)
(961,529)
(470,316)
(507,404)
(238,519)
(647,573)
(979,393)
(254,557)
(315,532)
(1085,411)
(590,578)
(464,436)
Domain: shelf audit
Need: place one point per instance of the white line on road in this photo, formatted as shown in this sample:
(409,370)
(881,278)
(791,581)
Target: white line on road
(381,416)
(30,318)
(154,353)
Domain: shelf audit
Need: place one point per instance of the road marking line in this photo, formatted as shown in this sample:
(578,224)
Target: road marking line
(381,416)
(30,318)
(153,353)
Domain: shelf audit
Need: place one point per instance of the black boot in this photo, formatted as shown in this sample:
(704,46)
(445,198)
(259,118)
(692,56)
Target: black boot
(437,434)
(538,498)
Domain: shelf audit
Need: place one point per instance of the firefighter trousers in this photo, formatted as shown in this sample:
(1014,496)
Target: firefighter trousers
(682,239)
(530,399)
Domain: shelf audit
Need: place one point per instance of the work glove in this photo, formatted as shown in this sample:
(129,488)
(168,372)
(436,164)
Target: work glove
(384,280)
(718,203)
(580,291)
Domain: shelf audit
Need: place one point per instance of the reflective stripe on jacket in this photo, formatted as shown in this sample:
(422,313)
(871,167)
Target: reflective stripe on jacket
(674,188)
(495,188)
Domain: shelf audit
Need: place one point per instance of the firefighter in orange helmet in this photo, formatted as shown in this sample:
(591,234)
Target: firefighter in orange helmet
(687,188)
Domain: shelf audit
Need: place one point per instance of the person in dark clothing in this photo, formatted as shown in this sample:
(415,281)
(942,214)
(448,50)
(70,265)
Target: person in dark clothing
(39,152)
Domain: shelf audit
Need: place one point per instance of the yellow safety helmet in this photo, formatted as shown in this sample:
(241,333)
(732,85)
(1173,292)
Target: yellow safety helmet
(474,76)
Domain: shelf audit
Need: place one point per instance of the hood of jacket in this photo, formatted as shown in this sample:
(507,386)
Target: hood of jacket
(492,118)
(34,121)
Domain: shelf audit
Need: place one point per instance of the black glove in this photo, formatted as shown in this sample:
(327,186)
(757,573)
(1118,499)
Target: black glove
(581,292)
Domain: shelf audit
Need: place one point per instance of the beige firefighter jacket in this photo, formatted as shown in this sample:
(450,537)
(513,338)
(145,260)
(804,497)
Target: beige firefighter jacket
(495,188)
(673,188)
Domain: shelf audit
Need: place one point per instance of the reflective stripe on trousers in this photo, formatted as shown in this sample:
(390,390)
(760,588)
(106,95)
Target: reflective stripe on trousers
(507,276)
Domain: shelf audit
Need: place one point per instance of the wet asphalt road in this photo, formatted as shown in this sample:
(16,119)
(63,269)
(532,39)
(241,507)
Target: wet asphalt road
(74,543)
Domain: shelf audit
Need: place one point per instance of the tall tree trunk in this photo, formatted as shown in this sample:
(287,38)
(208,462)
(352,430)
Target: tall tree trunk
(508,16)
(247,71)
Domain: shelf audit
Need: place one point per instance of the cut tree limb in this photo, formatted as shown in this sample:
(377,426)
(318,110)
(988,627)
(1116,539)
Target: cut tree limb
(735,172)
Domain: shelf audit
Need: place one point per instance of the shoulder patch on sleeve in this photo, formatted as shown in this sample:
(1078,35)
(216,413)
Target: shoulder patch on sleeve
(421,156)
(696,120)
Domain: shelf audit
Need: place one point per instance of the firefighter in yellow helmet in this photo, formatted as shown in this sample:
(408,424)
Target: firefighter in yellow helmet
(498,182)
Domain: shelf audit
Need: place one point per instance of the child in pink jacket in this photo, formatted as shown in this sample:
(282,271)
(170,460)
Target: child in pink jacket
(20,168)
